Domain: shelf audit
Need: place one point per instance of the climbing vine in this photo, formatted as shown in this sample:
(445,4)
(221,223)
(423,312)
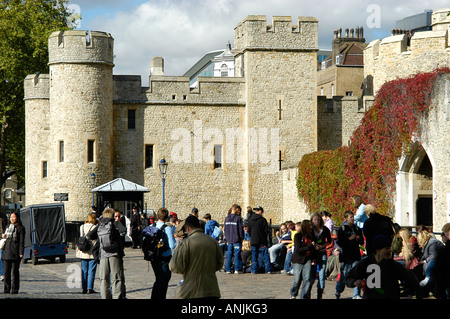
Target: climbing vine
(328,179)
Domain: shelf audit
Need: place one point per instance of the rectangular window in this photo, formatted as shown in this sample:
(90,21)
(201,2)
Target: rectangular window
(90,151)
(131,119)
(349,93)
(149,156)
(61,151)
(217,156)
(329,107)
(280,110)
(44,169)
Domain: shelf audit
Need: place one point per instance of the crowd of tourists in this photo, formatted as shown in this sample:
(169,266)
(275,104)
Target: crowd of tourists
(367,253)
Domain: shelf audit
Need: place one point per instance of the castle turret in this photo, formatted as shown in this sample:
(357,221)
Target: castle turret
(279,64)
(37,107)
(80,115)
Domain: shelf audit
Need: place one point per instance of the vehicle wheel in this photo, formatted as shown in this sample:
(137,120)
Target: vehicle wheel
(24,261)
(62,259)
(34,260)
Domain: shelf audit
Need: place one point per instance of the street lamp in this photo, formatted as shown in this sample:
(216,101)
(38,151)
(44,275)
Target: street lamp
(92,184)
(163,170)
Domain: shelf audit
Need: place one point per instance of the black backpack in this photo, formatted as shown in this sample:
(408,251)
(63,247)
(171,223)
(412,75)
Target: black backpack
(109,237)
(152,246)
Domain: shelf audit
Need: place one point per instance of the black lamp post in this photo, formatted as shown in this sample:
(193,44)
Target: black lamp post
(163,170)
(92,184)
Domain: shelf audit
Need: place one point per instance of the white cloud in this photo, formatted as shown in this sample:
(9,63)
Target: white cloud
(182,31)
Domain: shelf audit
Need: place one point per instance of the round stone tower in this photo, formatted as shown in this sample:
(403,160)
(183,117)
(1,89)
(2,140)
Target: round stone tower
(81,115)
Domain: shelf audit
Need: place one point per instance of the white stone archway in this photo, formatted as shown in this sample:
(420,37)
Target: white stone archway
(414,188)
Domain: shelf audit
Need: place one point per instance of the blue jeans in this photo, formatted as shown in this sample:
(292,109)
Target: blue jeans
(236,250)
(162,277)
(302,272)
(429,268)
(263,251)
(340,285)
(287,261)
(88,269)
(322,263)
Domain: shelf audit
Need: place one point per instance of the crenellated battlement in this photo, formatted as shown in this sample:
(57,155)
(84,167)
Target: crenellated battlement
(254,33)
(37,86)
(175,90)
(79,46)
(398,56)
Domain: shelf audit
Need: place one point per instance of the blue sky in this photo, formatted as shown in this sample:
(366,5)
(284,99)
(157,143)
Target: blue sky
(182,31)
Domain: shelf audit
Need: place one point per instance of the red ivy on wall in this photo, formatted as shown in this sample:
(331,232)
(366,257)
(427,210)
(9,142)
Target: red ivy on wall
(328,179)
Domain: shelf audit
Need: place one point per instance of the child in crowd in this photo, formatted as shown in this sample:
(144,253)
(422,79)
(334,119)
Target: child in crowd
(350,237)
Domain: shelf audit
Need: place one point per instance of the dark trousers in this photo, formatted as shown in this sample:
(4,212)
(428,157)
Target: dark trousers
(11,276)
(162,275)
(136,241)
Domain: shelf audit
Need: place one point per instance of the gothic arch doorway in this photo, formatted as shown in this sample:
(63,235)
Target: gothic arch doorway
(414,203)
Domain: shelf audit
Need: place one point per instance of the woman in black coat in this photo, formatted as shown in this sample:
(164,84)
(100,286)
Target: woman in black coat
(13,253)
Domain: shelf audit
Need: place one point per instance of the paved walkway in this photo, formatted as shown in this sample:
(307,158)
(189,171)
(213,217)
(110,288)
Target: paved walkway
(54,280)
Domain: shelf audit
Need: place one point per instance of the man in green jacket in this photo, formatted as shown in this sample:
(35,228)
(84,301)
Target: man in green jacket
(197,258)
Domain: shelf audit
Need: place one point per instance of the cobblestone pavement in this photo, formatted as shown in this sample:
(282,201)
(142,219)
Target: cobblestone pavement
(54,280)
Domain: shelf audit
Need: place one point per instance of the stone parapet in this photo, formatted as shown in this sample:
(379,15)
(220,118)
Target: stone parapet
(79,46)
(254,33)
(393,57)
(37,86)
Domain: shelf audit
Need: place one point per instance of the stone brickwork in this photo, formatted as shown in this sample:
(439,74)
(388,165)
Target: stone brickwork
(392,57)
(37,97)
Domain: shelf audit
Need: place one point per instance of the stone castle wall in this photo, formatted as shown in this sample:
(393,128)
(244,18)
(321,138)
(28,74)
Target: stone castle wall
(178,132)
(435,130)
(392,57)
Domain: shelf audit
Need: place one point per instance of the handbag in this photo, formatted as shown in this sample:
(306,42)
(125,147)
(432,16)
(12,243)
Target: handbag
(2,243)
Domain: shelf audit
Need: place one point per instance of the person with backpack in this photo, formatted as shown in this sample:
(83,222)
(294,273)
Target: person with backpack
(112,278)
(88,263)
(212,227)
(160,263)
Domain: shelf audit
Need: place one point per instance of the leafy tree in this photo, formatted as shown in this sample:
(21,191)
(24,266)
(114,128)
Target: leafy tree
(25,26)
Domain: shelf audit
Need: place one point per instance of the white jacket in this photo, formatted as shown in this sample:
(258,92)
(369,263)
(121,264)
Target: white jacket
(84,229)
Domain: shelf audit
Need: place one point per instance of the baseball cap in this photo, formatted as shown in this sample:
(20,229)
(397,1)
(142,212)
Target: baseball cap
(258,208)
